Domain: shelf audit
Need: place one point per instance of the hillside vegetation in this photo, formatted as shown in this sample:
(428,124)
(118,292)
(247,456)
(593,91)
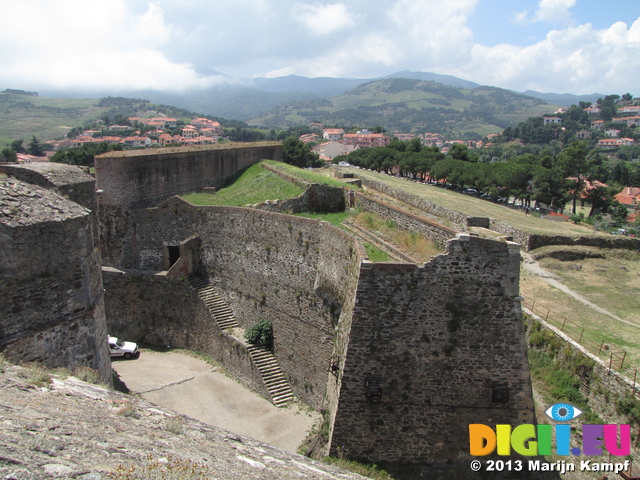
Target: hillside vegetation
(49,119)
(411,105)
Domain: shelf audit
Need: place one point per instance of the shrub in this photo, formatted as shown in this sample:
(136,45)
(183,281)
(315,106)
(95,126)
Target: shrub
(261,334)
(88,375)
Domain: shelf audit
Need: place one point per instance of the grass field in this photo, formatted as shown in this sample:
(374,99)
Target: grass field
(48,118)
(474,206)
(610,283)
(253,185)
(312,176)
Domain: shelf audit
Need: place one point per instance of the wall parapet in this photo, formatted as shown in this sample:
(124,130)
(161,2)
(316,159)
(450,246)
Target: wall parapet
(144,179)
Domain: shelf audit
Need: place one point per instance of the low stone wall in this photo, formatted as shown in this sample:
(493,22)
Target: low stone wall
(532,241)
(418,202)
(317,198)
(440,234)
(161,311)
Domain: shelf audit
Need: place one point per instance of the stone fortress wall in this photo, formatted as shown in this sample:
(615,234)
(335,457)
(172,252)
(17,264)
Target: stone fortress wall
(400,356)
(414,348)
(50,280)
(127,181)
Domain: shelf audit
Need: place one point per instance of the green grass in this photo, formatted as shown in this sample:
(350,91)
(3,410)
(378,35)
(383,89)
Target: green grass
(311,176)
(476,207)
(375,254)
(253,185)
(334,219)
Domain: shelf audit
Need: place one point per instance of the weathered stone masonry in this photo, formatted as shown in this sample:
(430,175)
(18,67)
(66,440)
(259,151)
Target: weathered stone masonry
(127,181)
(50,283)
(432,349)
(416,350)
(402,357)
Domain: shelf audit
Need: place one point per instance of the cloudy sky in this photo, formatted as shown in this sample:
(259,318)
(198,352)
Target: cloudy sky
(561,46)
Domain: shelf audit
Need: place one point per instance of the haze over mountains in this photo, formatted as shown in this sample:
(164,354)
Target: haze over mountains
(247,99)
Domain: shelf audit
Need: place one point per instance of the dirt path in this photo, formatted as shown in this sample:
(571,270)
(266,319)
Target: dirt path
(192,387)
(532,266)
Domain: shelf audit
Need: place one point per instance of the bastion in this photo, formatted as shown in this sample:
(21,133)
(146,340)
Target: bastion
(50,280)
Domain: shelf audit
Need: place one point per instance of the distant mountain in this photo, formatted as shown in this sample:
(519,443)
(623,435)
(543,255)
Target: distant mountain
(564,99)
(435,77)
(413,105)
(323,86)
(245,99)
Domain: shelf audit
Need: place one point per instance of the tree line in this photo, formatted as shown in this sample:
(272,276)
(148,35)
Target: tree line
(545,178)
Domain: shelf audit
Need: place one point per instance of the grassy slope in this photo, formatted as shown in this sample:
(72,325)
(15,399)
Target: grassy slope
(474,206)
(254,185)
(47,118)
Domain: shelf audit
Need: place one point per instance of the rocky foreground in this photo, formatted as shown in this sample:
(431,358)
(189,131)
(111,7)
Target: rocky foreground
(57,427)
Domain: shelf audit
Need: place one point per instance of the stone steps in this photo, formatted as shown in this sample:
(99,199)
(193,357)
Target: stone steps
(270,371)
(272,375)
(218,308)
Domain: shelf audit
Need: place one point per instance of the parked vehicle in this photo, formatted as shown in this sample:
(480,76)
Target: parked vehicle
(120,348)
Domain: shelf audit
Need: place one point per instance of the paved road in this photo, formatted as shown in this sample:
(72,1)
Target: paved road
(192,387)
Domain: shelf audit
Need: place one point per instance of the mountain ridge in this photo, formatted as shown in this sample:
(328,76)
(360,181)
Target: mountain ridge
(247,98)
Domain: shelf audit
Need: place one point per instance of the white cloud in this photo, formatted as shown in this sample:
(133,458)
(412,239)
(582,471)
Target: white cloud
(577,60)
(100,44)
(323,19)
(433,30)
(555,12)
(166,43)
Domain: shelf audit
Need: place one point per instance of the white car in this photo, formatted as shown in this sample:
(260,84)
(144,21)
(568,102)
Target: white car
(120,348)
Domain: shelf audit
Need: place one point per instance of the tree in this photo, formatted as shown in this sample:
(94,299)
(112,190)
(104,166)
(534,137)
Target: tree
(600,199)
(295,152)
(618,212)
(35,147)
(17,146)
(8,155)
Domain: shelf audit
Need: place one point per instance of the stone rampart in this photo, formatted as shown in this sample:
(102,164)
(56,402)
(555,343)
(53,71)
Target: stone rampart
(132,180)
(50,281)
(418,202)
(298,273)
(158,310)
(138,179)
(440,234)
(432,349)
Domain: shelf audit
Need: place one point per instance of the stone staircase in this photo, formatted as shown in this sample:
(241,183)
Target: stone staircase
(272,374)
(218,308)
(263,359)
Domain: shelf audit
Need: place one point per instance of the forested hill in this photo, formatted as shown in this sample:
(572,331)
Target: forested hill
(414,106)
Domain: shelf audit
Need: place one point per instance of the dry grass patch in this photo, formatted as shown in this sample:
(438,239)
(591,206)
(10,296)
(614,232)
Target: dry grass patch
(584,324)
(413,244)
(610,282)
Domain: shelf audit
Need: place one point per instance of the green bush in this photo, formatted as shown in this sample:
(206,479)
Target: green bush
(261,334)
